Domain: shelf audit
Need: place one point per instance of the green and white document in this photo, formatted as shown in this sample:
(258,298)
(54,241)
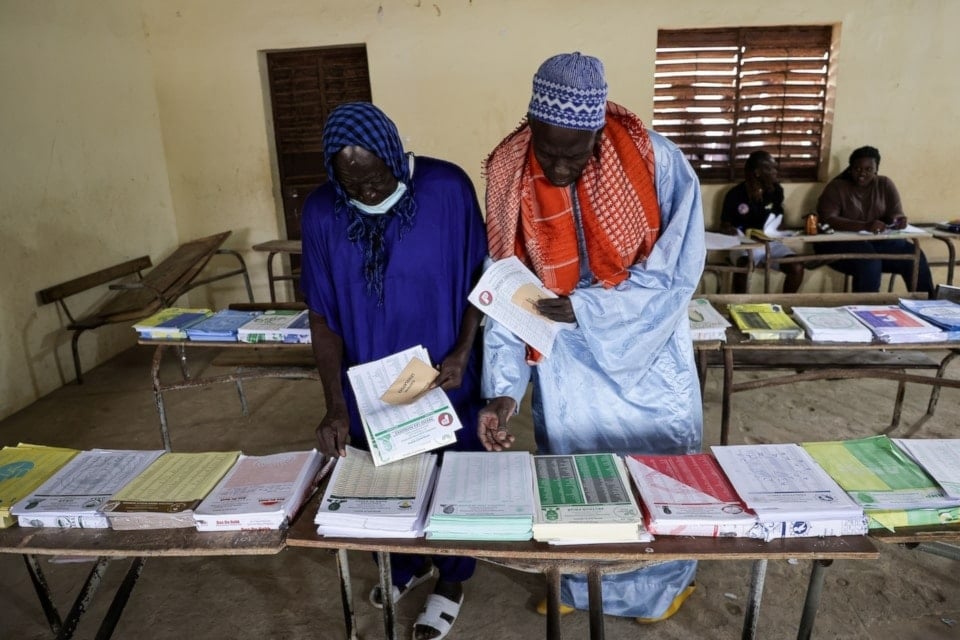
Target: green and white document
(483,496)
(893,490)
(583,499)
(395,431)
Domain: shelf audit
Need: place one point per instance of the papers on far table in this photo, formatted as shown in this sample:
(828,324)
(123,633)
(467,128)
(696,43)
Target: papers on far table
(506,292)
(365,501)
(483,496)
(397,431)
(939,458)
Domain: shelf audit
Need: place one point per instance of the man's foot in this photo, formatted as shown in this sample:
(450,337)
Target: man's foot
(674,606)
(564,609)
(376,598)
(439,612)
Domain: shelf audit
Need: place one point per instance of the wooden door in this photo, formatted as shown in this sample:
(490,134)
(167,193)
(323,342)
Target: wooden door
(305,86)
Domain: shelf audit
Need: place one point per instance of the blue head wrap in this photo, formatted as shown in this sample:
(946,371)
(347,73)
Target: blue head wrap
(363,125)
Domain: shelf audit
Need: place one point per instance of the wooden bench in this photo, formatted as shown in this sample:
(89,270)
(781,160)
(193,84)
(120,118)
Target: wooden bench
(159,288)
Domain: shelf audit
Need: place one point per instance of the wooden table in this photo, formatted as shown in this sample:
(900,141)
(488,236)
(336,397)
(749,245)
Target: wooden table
(798,243)
(810,360)
(105,546)
(250,361)
(274,247)
(594,560)
(948,238)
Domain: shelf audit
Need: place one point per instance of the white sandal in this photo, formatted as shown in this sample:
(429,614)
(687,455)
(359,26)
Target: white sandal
(438,613)
(377,601)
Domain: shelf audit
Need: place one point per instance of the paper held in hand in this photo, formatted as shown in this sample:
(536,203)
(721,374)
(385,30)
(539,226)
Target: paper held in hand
(399,417)
(507,292)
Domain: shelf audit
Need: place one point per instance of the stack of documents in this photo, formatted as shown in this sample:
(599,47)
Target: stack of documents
(23,468)
(831,324)
(940,458)
(165,495)
(71,496)
(792,496)
(893,324)
(401,415)
(221,326)
(507,292)
(764,321)
(277,325)
(706,323)
(260,492)
(585,499)
(893,490)
(366,501)
(170,323)
(483,496)
(688,495)
(942,313)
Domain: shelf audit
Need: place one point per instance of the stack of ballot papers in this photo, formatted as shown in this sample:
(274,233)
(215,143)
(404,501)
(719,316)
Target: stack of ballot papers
(221,326)
(892,489)
(585,499)
(942,313)
(365,501)
(401,415)
(71,497)
(483,496)
(792,496)
(166,493)
(893,324)
(23,468)
(689,495)
(260,492)
(277,325)
(170,323)
(765,321)
(831,324)
(706,323)
(940,458)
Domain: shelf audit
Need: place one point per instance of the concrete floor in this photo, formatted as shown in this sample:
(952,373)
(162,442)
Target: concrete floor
(293,595)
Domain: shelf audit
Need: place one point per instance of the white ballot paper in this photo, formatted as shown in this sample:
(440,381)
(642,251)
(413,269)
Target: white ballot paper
(506,292)
(397,431)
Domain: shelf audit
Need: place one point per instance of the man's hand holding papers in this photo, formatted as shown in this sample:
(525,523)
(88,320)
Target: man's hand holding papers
(512,295)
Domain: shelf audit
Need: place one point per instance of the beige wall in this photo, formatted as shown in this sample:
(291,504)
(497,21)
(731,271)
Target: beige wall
(174,117)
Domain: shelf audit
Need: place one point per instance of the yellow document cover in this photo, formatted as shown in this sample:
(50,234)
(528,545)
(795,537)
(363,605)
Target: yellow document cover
(23,468)
(175,482)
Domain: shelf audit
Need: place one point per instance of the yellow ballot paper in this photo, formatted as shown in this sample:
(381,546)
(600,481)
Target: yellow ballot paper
(23,468)
(165,495)
(413,381)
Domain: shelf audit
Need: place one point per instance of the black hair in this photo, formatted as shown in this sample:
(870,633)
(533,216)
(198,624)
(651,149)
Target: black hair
(754,160)
(865,152)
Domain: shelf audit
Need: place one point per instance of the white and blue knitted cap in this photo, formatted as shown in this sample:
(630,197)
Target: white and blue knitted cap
(569,91)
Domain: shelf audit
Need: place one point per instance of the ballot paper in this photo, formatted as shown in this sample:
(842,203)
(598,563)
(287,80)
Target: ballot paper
(938,457)
(507,292)
(365,501)
(397,431)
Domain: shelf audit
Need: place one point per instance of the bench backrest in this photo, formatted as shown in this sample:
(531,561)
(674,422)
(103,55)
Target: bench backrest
(66,289)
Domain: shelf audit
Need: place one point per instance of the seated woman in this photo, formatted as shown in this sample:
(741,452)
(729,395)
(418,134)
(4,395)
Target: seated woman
(860,200)
(747,206)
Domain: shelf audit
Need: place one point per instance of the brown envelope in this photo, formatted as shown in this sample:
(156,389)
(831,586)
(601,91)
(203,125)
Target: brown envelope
(413,381)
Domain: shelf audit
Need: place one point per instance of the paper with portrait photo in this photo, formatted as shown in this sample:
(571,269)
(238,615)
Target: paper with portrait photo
(507,292)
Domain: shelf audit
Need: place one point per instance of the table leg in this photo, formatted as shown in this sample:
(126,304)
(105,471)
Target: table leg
(43,593)
(812,602)
(158,397)
(270,281)
(553,603)
(84,598)
(595,597)
(751,618)
(386,595)
(727,393)
(346,595)
(120,598)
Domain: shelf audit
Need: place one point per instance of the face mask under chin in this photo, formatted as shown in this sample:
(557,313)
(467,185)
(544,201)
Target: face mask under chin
(384,205)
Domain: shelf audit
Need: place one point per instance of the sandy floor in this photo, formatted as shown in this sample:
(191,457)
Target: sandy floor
(904,594)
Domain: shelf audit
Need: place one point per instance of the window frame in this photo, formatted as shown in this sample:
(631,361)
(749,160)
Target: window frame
(711,84)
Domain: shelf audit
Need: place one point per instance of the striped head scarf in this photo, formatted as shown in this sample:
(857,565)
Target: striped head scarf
(363,125)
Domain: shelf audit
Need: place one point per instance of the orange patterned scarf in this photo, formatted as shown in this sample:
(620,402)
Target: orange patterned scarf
(532,219)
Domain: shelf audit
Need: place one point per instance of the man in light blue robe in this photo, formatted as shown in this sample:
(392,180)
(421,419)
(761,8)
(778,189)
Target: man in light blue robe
(624,378)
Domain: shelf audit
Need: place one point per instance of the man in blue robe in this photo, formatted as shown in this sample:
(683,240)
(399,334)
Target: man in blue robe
(392,245)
